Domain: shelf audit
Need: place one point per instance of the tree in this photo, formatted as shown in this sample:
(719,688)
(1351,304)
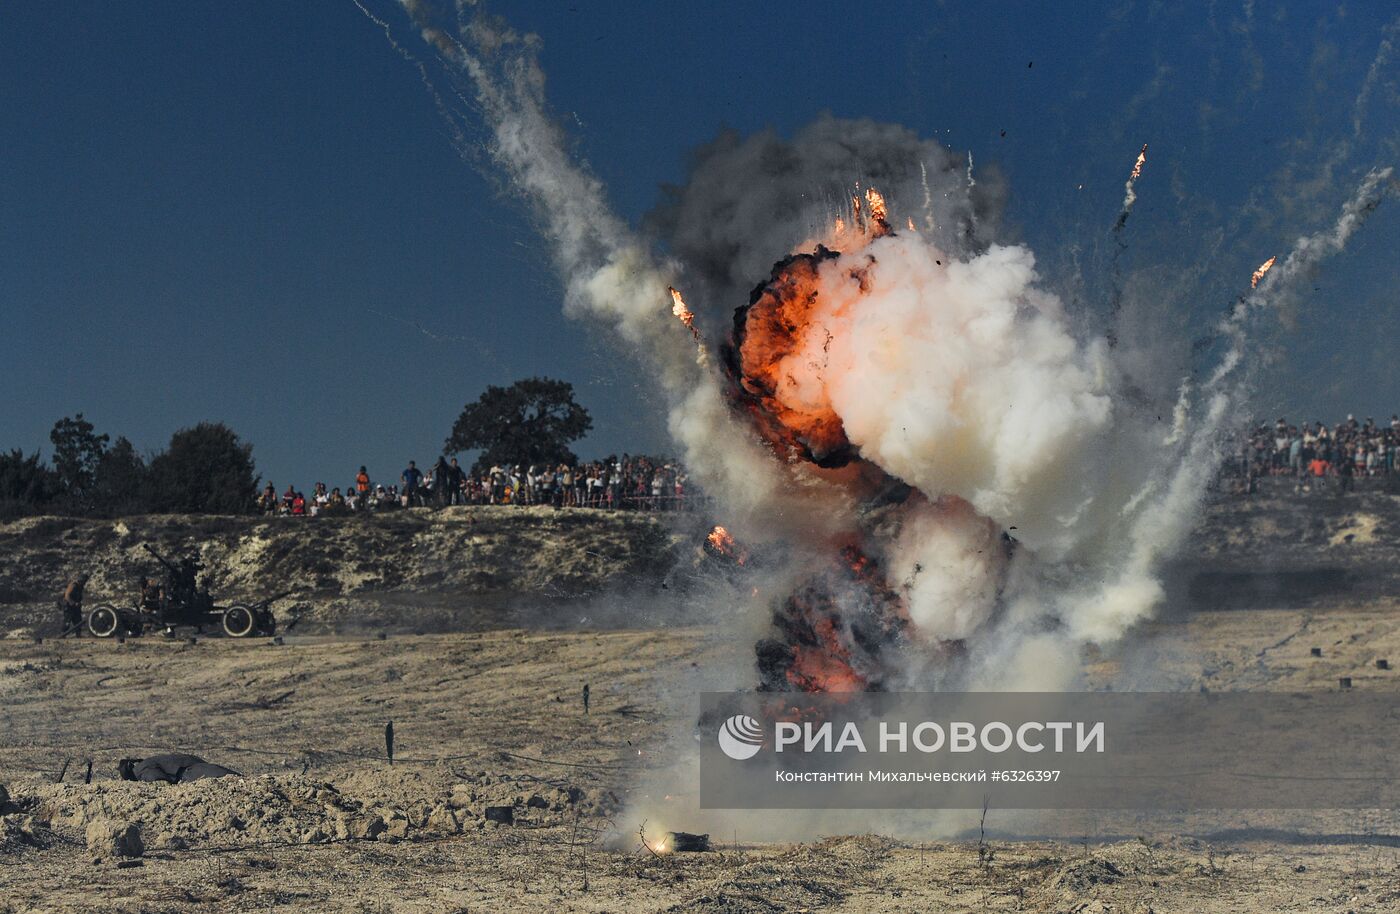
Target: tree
(26,485)
(531,421)
(205,470)
(77,451)
(120,483)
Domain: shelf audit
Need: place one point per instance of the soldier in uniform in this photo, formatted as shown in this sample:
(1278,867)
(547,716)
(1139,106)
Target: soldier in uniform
(72,606)
(182,589)
(148,594)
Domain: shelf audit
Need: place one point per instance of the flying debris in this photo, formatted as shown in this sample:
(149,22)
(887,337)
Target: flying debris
(1129,191)
(1137,166)
(687,317)
(1259,274)
(878,214)
(679,309)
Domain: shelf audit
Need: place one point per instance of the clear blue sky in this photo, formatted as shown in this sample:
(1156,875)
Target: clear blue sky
(247,211)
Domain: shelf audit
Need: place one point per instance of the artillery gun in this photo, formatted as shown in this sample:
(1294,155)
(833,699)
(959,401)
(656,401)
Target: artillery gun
(182,601)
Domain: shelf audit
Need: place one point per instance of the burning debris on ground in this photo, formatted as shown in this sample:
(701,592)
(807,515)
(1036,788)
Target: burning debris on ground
(721,542)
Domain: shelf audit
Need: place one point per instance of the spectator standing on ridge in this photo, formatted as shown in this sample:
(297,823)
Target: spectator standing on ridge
(411,479)
(362,482)
(456,483)
(442,483)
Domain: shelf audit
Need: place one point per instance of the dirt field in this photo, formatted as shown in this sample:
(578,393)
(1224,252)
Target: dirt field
(321,822)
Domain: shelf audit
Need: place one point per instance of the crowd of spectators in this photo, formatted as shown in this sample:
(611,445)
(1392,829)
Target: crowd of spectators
(1313,453)
(628,482)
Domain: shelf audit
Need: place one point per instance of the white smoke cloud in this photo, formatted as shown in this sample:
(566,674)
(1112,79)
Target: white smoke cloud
(981,391)
(949,560)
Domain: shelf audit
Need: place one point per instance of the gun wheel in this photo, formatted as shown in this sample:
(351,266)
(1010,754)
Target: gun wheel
(239,621)
(104,621)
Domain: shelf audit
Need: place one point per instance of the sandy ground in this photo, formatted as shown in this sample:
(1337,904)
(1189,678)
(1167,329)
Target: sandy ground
(322,822)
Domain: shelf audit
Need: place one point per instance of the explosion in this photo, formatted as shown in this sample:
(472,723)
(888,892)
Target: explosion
(857,367)
(968,482)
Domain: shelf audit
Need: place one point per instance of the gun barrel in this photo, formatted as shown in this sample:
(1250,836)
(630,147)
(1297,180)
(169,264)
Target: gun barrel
(159,558)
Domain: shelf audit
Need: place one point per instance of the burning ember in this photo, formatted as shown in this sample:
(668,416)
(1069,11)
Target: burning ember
(1259,274)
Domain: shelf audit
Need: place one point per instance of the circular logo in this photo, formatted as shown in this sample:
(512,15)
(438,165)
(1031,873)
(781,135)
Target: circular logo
(741,737)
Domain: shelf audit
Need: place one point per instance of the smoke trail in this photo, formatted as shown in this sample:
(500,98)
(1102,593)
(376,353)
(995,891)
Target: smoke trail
(1115,305)
(459,138)
(928,197)
(971,186)
(1373,75)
